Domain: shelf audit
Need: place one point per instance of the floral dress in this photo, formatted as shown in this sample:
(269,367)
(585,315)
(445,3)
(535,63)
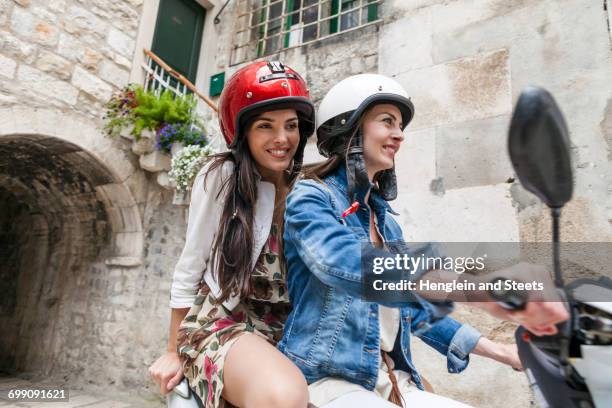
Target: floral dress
(209,329)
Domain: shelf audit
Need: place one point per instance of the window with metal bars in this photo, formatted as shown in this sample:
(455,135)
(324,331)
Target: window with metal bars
(268,26)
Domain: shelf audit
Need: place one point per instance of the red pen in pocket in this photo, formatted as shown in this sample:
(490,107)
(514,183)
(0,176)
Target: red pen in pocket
(353,208)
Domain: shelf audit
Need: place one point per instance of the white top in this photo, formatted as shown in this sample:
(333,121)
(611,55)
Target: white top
(205,209)
(389,318)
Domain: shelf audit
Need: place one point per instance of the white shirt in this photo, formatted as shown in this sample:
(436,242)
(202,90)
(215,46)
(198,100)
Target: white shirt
(205,212)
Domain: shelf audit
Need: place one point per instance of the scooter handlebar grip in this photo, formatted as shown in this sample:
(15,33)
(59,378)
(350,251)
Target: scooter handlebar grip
(508,298)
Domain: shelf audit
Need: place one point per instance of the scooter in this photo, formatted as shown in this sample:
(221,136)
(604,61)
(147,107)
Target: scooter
(182,396)
(572,368)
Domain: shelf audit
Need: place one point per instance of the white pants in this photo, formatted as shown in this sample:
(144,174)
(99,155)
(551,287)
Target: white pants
(333,392)
(414,399)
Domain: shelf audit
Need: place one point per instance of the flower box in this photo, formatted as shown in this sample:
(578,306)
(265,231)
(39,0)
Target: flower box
(161,127)
(181,198)
(155,162)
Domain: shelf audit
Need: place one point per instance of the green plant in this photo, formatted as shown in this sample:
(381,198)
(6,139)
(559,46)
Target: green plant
(119,110)
(193,135)
(152,111)
(144,109)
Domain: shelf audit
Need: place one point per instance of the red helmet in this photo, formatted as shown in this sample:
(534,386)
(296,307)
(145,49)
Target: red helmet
(263,86)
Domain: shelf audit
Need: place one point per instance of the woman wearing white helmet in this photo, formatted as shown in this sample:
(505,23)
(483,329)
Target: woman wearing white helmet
(341,342)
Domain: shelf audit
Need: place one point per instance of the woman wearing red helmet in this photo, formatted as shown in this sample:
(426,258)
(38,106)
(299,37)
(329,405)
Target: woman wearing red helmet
(229,300)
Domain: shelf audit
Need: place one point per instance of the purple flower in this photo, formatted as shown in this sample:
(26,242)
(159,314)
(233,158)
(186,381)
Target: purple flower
(165,136)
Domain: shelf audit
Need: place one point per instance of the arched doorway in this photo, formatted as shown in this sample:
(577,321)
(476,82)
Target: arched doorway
(62,212)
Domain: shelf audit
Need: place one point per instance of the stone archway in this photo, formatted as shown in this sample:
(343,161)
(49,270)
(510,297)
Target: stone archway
(65,205)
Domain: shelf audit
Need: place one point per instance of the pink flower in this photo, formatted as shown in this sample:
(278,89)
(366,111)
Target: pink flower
(222,324)
(273,244)
(270,319)
(228,321)
(209,368)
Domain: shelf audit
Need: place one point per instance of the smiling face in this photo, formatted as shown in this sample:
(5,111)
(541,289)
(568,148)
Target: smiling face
(382,137)
(273,138)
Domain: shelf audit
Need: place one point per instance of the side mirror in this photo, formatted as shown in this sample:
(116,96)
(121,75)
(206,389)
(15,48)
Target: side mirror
(539,146)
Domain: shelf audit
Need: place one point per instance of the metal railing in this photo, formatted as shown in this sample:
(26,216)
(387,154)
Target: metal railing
(158,76)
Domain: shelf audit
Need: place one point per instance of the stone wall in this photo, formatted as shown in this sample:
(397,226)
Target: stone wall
(472,61)
(85,292)
(321,63)
(65,54)
(465,63)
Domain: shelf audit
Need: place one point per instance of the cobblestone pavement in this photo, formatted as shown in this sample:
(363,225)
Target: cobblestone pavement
(76,399)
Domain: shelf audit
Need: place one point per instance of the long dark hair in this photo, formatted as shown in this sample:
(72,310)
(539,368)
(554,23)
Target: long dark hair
(233,246)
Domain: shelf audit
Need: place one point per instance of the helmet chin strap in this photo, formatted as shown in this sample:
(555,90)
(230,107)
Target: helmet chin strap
(387,184)
(357,172)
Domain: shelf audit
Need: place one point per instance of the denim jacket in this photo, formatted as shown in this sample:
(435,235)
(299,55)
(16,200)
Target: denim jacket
(332,331)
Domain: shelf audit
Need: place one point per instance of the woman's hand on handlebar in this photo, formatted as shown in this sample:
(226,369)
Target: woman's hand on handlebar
(503,353)
(543,309)
(540,318)
(167,371)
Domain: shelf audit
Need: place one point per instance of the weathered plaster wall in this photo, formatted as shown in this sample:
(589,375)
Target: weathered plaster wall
(465,63)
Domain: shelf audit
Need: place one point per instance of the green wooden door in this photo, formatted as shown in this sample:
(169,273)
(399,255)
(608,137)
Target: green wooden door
(178,35)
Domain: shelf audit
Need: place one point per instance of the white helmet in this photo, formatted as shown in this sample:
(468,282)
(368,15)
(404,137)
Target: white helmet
(344,104)
(338,117)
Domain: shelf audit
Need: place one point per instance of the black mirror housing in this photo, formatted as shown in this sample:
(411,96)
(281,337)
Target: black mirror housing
(539,147)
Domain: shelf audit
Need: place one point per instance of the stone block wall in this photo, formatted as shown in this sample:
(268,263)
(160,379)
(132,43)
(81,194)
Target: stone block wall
(465,63)
(81,300)
(321,63)
(66,54)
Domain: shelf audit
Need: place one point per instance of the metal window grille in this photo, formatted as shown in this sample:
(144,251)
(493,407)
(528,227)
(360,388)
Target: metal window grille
(266,27)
